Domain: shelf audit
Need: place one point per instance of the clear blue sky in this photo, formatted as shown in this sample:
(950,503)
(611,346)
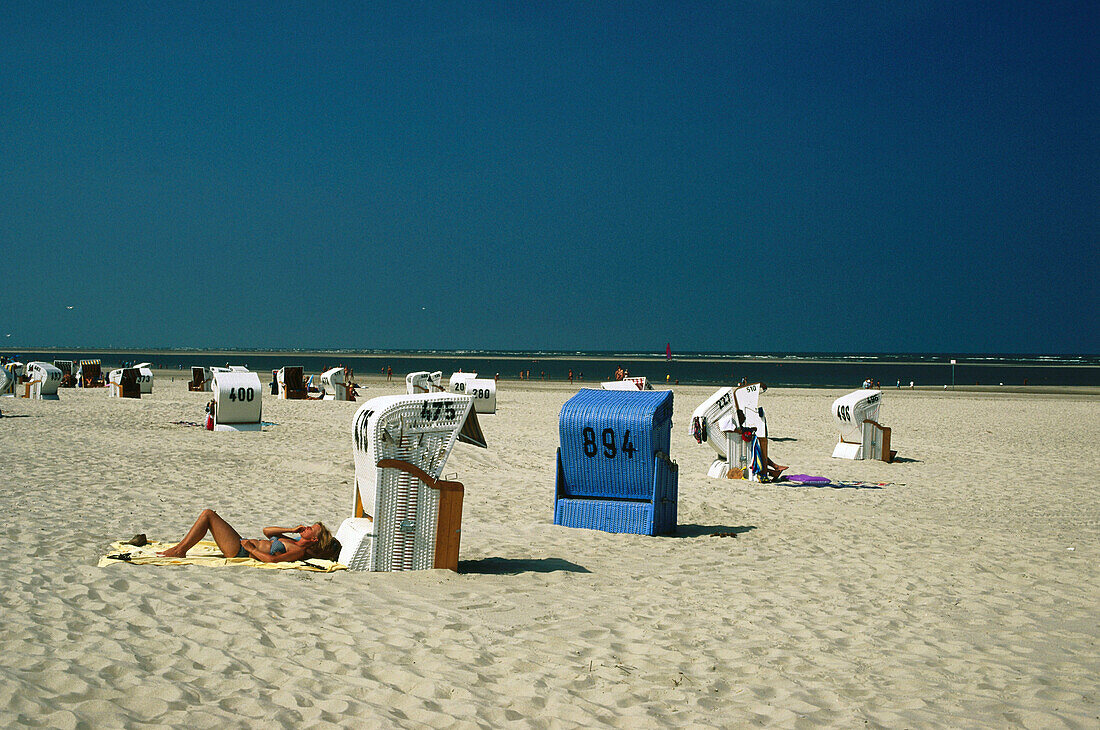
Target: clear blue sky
(781,176)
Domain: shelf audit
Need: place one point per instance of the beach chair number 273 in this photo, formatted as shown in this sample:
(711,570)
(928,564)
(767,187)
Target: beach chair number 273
(591,448)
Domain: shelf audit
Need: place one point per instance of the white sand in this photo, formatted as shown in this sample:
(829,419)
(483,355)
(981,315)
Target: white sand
(964,594)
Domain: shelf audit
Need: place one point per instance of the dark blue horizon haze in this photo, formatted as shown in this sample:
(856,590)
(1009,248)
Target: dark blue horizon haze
(768,176)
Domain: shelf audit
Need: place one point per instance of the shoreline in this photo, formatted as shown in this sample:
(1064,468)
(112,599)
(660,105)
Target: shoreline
(875,359)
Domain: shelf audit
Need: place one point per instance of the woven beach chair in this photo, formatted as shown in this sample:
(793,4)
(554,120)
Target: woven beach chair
(638,383)
(89,374)
(200,379)
(238,401)
(44,380)
(292,384)
(405,516)
(335,382)
(862,435)
(717,423)
(424,382)
(13,372)
(613,470)
(123,383)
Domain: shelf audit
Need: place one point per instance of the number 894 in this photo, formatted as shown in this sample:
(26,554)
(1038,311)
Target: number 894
(608,441)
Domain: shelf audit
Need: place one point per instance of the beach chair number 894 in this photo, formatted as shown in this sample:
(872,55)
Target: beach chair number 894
(608,439)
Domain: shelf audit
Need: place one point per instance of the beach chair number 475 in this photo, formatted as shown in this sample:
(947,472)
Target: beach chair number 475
(241,394)
(431,410)
(591,448)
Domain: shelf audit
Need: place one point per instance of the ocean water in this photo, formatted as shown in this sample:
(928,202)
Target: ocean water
(775,369)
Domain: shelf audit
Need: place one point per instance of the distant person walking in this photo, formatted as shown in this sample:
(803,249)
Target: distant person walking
(570,376)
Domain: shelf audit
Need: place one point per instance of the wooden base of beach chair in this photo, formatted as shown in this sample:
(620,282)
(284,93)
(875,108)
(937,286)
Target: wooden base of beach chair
(448,533)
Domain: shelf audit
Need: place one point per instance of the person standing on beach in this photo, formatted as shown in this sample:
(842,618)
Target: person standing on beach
(570,376)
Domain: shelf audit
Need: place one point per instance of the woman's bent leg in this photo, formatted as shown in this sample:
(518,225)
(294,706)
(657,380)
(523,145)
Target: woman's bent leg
(227,539)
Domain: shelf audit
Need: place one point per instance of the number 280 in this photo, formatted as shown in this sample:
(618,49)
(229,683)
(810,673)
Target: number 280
(607,438)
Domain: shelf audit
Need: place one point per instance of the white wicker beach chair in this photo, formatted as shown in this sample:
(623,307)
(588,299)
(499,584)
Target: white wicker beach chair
(405,518)
(862,435)
(716,422)
(424,382)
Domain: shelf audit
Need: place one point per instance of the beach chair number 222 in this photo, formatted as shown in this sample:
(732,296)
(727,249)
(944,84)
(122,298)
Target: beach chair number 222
(591,448)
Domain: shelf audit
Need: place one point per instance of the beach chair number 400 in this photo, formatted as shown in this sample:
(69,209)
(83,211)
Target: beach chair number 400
(242,394)
(608,439)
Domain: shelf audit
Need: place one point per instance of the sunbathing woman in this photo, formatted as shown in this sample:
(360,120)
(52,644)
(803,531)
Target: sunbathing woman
(281,544)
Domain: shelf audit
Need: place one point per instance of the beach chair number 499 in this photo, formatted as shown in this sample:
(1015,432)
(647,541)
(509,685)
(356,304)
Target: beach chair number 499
(608,439)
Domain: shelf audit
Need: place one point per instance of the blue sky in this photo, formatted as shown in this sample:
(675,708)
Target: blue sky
(780,176)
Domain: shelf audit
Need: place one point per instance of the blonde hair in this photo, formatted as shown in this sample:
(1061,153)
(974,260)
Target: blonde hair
(327,547)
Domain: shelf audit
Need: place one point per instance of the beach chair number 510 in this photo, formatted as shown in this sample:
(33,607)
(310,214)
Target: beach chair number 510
(608,440)
(242,394)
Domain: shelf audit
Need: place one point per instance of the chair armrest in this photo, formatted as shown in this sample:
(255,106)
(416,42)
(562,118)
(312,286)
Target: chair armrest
(404,466)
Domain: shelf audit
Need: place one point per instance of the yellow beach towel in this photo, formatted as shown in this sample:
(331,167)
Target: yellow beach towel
(206,552)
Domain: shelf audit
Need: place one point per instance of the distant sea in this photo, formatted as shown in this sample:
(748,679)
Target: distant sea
(775,369)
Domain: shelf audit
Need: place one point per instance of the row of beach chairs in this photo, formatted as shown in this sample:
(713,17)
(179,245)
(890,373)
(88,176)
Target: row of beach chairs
(614,471)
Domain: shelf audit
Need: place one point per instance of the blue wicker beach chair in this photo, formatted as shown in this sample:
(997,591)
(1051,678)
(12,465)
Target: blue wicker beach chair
(614,471)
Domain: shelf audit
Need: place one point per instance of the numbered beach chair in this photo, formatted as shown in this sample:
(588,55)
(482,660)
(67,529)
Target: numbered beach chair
(238,401)
(424,382)
(719,422)
(123,383)
(862,436)
(405,516)
(482,390)
(145,377)
(456,383)
(614,472)
(292,384)
(44,380)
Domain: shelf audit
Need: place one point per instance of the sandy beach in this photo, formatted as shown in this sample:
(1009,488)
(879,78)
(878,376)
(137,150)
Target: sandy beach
(963,592)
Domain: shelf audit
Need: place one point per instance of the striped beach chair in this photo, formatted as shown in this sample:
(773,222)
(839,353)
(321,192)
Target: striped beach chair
(613,470)
(405,516)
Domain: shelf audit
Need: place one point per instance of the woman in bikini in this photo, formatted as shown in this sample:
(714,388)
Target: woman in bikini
(279,544)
